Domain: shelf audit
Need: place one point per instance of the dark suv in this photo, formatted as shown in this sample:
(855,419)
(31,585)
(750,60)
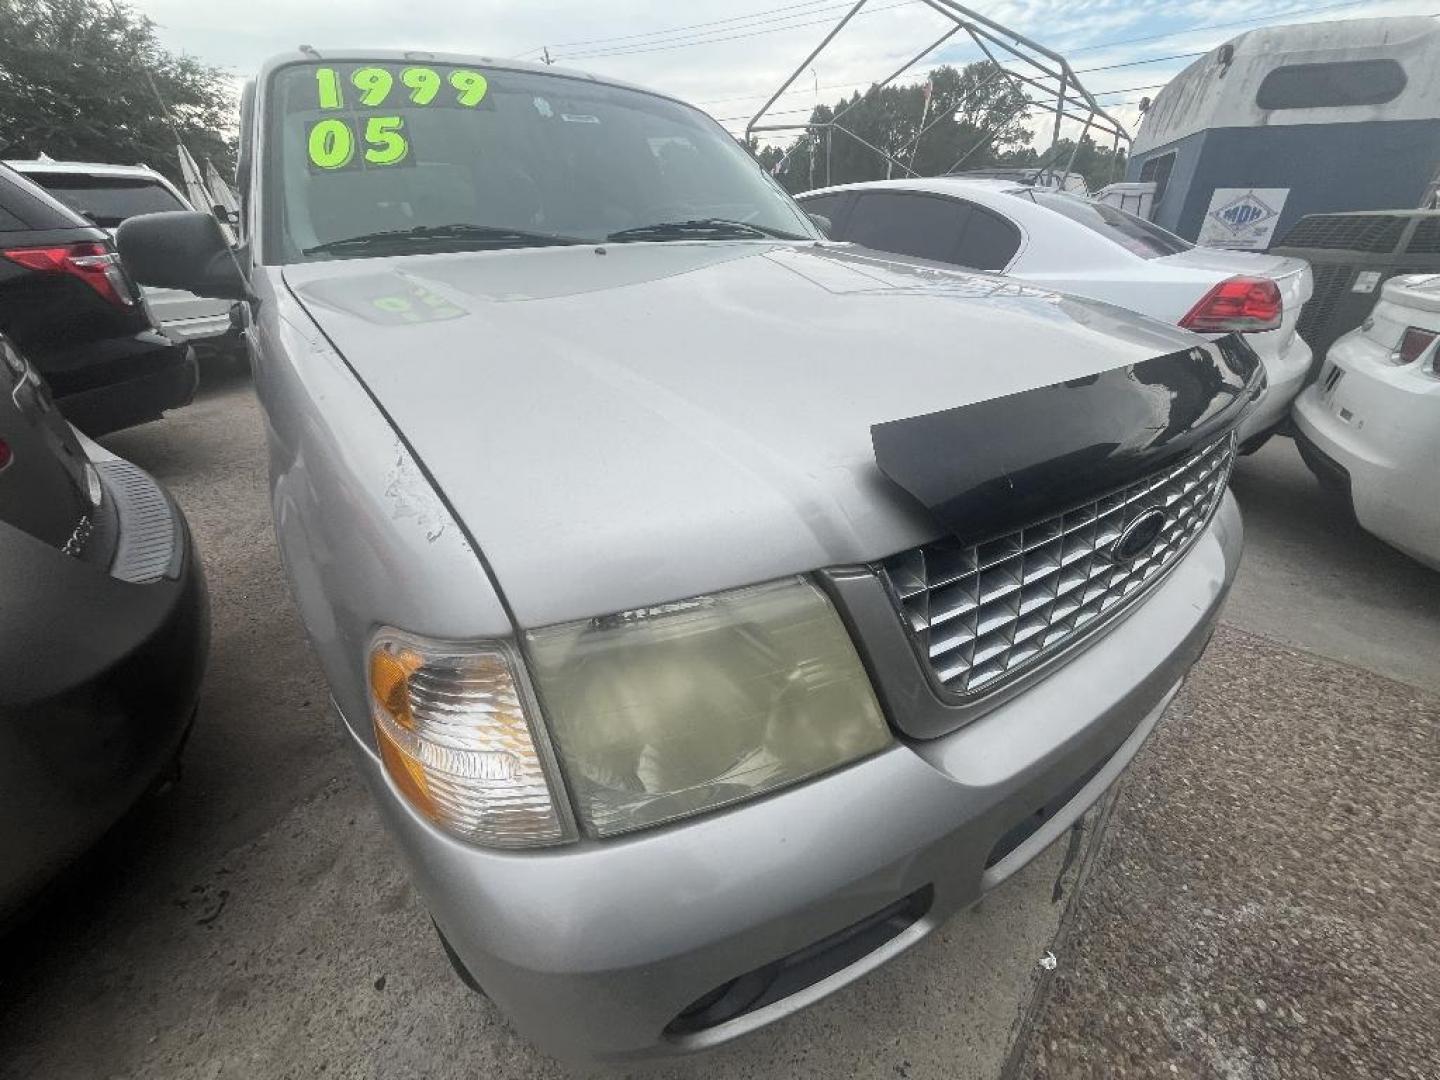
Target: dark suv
(66,301)
(104,630)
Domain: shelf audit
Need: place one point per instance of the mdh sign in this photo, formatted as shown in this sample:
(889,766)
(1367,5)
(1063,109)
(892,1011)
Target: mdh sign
(1242,218)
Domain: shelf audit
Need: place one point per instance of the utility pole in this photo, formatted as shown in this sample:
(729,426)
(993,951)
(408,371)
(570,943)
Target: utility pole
(814,136)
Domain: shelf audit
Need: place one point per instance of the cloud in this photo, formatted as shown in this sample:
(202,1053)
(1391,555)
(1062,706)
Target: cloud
(728,60)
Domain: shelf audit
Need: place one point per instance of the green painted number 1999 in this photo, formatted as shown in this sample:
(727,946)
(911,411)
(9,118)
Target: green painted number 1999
(327,88)
(370,87)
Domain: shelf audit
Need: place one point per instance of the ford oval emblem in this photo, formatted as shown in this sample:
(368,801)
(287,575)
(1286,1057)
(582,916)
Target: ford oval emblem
(1139,535)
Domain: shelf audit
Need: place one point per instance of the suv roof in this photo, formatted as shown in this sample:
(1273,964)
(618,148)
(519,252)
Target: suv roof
(86,168)
(25,205)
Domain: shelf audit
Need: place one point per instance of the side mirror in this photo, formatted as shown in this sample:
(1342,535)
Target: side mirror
(181,249)
(823,223)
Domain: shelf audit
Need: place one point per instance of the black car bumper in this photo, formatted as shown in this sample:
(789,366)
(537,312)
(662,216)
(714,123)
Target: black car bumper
(102,678)
(120,382)
(1332,475)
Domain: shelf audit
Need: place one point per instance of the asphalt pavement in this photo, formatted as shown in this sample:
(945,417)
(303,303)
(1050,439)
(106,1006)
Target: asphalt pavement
(255,920)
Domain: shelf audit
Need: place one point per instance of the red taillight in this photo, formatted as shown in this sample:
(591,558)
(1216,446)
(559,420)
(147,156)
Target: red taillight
(92,263)
(5,454)
(1238,304)
(1412,343)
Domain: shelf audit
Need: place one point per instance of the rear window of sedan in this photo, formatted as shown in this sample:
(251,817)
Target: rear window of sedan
(1134,234)
(108,200)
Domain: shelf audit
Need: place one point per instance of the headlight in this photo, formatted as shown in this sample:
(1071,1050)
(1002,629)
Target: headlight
(669,711)
(454,735)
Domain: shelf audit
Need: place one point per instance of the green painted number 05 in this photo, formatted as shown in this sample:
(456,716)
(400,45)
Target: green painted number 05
(385,140)
(332,142)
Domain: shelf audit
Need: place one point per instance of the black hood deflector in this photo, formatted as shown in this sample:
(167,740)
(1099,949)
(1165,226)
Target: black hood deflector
(994,466)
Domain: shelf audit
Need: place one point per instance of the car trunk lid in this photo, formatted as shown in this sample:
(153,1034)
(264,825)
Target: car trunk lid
(1419,292)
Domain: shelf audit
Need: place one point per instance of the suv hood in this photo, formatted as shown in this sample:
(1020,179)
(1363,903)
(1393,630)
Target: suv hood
(639,423)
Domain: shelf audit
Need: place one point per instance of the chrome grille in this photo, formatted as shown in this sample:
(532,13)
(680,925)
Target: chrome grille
(981,614)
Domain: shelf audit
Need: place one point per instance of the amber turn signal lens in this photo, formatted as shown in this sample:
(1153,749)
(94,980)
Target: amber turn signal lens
(390,682)
(456,739)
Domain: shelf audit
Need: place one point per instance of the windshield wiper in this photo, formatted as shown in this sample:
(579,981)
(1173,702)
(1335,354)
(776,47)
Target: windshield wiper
(700,229)
(489,236)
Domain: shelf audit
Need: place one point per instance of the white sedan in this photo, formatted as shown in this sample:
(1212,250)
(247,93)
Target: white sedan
(1074,245)
(1370,425)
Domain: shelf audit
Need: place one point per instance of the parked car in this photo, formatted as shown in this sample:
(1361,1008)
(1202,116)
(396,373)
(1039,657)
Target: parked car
(1075,245)
(713,609)
(66,301)
(103,635)
(1370,426)
(108,194)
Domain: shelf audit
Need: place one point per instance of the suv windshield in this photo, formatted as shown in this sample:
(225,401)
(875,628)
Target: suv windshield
(1134,234)
(108,200)
(391,158)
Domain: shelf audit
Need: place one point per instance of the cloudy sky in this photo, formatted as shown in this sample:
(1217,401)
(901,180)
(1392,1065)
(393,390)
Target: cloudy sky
(727,55)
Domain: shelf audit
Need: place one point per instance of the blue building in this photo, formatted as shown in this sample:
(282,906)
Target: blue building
(1293,120)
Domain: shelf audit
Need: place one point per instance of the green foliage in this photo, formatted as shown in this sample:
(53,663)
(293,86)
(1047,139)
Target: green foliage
(73,85)
(975,117)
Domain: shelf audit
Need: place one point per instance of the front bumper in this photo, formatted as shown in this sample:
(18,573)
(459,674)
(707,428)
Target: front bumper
(102,679)
(596,948)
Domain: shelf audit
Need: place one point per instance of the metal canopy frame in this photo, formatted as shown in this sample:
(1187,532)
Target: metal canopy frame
(1060,91)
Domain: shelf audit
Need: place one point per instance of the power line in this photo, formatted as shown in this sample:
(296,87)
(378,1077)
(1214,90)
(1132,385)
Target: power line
(1131,89)
(1220,26)
(1142,63)
(683,29)
(665,47)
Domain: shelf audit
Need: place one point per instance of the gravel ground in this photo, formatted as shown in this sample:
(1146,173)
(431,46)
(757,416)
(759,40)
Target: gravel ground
(1265,902)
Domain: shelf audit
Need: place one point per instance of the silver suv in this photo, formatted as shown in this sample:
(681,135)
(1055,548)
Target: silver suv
(713,609)
(107,195)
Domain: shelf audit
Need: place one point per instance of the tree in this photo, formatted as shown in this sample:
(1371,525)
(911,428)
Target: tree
(974,116)
(79,80)
(1099,165)
(767,156)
